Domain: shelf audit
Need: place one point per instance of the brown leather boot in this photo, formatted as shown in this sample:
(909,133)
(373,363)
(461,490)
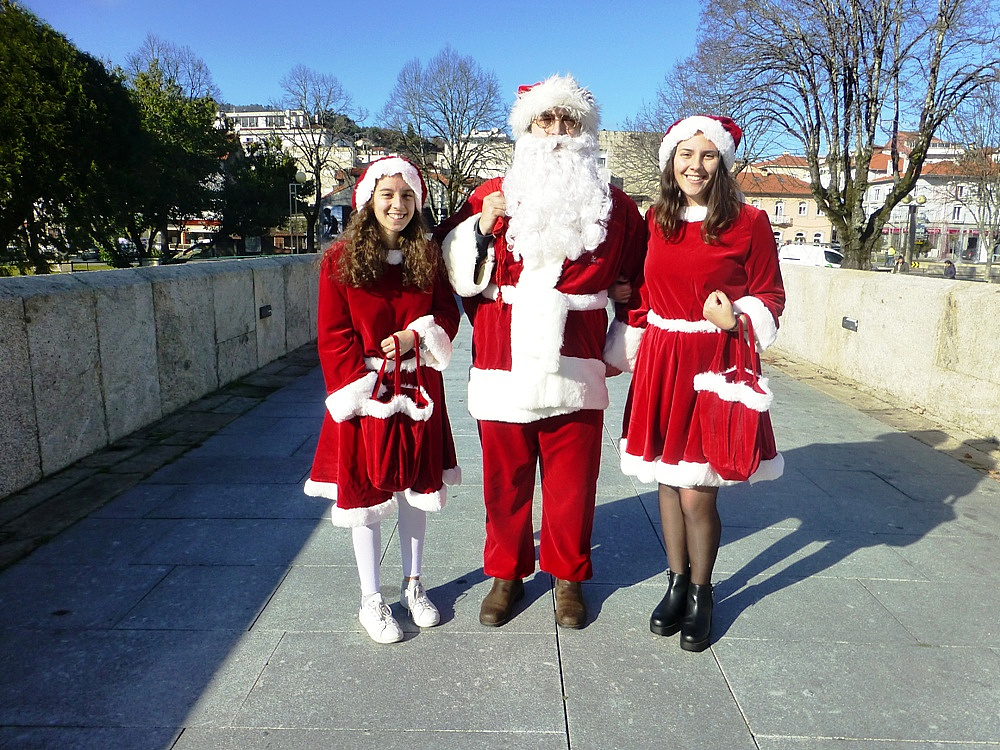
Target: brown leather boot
(498,605)
(571,612)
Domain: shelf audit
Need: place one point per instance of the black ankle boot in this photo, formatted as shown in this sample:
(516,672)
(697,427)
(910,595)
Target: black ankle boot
(696,629)
(666,618)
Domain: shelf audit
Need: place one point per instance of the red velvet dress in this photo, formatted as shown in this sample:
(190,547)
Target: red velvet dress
(352,323)
(662,439)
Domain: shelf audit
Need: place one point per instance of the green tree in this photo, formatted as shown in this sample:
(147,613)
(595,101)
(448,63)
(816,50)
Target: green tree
(184,140)
(68,140)
(254,195)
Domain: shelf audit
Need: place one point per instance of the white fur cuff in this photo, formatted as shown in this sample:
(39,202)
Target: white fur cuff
(460,252)
(346,402)
(622,345)
(764,326)
(434,342)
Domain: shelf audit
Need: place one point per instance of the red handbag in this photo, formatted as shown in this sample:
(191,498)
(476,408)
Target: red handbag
(731,399)
(393,425)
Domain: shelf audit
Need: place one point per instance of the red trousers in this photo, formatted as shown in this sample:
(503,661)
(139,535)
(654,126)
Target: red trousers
(567,450)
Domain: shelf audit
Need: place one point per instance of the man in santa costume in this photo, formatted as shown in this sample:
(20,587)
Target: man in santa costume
(533,254)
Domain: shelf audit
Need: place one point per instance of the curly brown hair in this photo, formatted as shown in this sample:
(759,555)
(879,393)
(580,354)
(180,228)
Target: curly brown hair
(724,201)
(362,259)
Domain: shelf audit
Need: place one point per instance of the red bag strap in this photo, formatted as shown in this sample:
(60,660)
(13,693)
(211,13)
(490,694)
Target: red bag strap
(746,348)
(397,368)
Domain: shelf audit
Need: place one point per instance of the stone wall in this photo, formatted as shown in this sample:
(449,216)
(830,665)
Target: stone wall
(88,358)
(930,343)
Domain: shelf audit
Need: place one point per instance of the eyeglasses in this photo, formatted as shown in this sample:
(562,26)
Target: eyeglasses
(547,119)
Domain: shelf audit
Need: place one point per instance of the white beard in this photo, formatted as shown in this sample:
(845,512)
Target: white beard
(558,207)
(557,202)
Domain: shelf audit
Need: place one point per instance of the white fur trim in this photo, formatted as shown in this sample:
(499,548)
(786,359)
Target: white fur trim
(556,91)
(505,396)
(622,345)
(326,490)
(680,325)
(715,382)
(764,326)
(346,402)
(401,404)
(691,214)
(460,252)
(394,257)
(375,363)
(687,474)
(348,517)
(428,501)
(513,294)
(435,346)
(386,168)
(687,128)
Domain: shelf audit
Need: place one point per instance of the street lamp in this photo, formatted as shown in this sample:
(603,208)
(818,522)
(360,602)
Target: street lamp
(293,197)
(912,205)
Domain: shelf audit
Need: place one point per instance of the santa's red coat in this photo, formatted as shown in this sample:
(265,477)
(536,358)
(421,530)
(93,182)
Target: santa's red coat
(352,323)
(538,352)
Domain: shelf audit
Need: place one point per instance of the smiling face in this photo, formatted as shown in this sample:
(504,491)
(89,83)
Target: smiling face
(394,205)
(696,161)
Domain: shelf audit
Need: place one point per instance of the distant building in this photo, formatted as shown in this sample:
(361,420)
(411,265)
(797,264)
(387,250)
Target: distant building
(945,204)
(788,201)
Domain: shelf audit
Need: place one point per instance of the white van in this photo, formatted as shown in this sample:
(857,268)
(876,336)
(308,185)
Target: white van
(810,255)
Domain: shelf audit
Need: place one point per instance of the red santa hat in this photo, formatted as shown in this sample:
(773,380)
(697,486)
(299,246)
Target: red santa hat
(557,91)
(723,132)
(386,167)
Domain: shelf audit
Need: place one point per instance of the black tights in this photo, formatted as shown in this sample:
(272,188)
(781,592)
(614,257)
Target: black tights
(691,529)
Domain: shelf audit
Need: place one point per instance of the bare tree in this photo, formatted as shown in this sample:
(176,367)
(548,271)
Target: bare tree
(318,139)
(976,125)
(179,65)
(450,112)
(836,76)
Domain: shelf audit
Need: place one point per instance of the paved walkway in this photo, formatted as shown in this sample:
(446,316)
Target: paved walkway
(208,605)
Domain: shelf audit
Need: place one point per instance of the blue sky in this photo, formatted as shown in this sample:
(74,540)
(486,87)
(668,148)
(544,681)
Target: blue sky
(620,50)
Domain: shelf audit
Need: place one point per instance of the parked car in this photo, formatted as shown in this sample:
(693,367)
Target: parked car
(810,255)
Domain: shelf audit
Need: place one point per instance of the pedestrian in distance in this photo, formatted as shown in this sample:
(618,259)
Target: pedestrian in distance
(949,269)
(533,254)
(384,278)
(711,261)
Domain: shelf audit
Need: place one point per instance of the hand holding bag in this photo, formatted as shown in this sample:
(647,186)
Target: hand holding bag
(731,399)
(393,425)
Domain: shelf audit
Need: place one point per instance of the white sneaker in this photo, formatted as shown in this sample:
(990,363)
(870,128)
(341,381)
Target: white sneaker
(422,611)
(377,619)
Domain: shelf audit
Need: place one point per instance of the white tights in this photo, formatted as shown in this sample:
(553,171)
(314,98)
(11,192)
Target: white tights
(368,546)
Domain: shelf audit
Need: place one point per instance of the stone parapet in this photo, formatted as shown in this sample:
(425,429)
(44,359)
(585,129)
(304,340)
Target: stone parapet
(929,343)
(88,358)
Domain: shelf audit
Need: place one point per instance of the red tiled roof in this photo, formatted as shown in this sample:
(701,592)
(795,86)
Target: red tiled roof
(757,183)
(786,161)
(880,163)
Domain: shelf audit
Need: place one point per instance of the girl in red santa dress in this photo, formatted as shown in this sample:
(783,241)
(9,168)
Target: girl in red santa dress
(384,277)
(711,258)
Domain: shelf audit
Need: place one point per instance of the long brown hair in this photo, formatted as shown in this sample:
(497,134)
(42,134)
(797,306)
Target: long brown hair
(362,260)
(724,201)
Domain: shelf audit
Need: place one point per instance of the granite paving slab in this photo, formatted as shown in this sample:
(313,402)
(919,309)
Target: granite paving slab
(864,692)
(468,682)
